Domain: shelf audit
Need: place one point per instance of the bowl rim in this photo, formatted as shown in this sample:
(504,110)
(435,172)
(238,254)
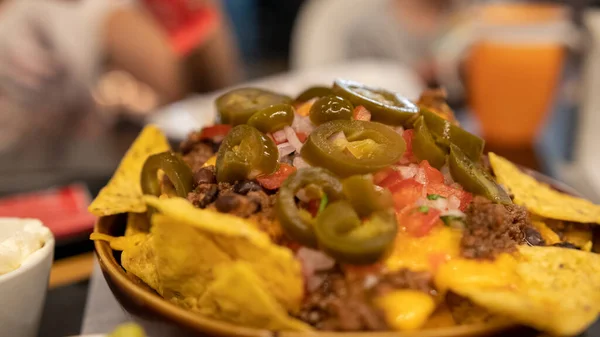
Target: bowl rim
(196,322)
(32,261)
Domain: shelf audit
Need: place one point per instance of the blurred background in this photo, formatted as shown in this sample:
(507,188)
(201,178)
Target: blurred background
(79,78)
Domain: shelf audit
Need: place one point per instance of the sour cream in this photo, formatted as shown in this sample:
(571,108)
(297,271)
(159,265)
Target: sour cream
(19,238)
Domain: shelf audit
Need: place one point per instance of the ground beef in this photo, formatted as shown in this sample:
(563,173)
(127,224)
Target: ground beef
(493,228)
(340,304)
(406,279)
(466,312)
(198,155)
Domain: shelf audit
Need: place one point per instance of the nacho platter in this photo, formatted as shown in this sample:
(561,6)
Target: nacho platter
(348,209)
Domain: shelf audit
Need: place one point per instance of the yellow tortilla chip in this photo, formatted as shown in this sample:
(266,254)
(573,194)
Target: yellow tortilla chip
(549,236)
(247,302)
(123,193)
(194,241)
(552,289)
(119,242)
(580,237)
(137,223)
(140,260)
(540,198)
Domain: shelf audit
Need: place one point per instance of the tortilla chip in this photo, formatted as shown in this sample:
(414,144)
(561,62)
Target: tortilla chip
(549,236)
(239,296)
(194,241)
(540,198)
(580,237)
(140,260)
(552,289)
(123,193)
(119,243)
(137,223)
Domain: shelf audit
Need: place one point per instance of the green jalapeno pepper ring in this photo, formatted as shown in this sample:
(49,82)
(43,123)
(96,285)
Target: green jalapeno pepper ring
(341,233)
(178,172)
(273,118)
(473,178)
(319,150)
(329,108)
(237,106)
(296,226)
(364,196)
(446,133)
(385,106)
(244,154)
(424,146)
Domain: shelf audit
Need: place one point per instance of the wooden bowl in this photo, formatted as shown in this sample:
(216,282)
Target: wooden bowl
(143,302)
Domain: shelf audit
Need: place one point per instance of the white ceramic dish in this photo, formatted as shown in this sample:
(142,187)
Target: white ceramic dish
(23,292)
(178,119)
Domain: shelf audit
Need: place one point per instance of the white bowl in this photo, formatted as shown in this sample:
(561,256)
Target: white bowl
(23,292)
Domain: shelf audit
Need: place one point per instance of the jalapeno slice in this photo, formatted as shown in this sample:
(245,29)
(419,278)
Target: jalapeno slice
(447,133)
(385,106)
(424,146)
(312,92)
(244,154)
(366,147)
(178,172)
(341,233)
(329,108)
(473,178)
(296,224)
(273,118)
(364,196)
(237,106)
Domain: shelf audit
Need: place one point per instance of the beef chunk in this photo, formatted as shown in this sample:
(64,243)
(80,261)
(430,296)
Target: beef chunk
(493,228)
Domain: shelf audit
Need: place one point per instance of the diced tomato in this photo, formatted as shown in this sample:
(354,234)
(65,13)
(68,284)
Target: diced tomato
(380,176)
(301,136)
(406,193)
(313,207)
(361,113)
(408,138)
(416,222)
(217,130)
(274,180)
(432,175)
(447,191)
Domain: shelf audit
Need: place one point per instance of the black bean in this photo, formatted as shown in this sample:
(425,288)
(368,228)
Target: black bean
(245,186)
(534,237)
(210,195)
(227,202)
(205,175)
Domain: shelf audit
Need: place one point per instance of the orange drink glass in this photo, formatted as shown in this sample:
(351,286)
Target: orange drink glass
(513,69)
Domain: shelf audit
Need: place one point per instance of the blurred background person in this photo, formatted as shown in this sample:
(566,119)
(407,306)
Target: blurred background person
(53,52)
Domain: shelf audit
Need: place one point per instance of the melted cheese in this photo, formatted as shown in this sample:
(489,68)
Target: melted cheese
(425,253)
(406,309)
(579,237)
(211,161)
(462,273)
(547,234)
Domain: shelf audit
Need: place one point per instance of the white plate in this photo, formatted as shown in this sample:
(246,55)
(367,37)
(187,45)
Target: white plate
(180,118)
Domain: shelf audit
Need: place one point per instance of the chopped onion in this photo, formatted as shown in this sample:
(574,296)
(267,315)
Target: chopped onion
(292,138)
(303,196)
(447,176)
(454,212)
(302,124)
(439,203)
(285,149)
(420,176)
(453,203)
(370,281)
(299,163)
(314,281)
(314,260)
(399,130)
(279,136)
(408,172)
